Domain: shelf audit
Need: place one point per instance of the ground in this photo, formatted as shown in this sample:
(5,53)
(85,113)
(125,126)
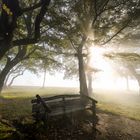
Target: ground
(116,127)
(119,116)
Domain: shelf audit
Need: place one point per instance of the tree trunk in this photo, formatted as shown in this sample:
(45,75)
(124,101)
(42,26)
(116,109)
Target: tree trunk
(11,63)
(82,76)
(6,80)
(4,47)
(44,78)
(89,77)
(3,75)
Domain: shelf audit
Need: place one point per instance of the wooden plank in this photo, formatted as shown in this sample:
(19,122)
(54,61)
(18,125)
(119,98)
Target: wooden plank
(74,103)
(58,109)
(67,97)
(59,97)
(62,104)
(68,110)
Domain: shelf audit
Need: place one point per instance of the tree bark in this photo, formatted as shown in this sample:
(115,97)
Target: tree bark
(44,78)
(4,47)
(6,80)
(10,64)
(89,77)
(82,75)
(4,73)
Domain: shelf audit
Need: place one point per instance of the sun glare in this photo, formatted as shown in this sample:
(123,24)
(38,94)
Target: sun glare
(97,60)
(107,78)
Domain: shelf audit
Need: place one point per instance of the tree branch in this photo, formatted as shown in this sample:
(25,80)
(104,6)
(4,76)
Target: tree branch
(38,21)
(31,8)
(117,32)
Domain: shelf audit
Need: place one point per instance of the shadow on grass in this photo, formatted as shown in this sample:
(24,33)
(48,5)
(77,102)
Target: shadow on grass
(57,128)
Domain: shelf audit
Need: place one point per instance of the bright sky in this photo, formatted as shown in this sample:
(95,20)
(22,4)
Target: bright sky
(29,79)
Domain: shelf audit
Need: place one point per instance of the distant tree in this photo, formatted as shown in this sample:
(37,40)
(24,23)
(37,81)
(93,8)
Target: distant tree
(49,63)
(31,58)
(128,61)
(12,75)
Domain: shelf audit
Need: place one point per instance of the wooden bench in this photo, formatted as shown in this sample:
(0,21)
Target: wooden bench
(43,108)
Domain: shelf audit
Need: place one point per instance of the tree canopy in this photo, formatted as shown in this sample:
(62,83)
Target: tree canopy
(67,27)
(11,27)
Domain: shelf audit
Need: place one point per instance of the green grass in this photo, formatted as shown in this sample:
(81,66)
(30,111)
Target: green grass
(124,104)
(15,103)
(27,92)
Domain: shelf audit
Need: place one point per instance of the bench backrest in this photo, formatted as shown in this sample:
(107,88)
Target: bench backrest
(62,103)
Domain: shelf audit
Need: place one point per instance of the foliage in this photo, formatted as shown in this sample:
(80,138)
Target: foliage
(13,31)
(126,64)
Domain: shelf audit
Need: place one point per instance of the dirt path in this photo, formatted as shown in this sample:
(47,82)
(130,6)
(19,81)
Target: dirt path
(115,127)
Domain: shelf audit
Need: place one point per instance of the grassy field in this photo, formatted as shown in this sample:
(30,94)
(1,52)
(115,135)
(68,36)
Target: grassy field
(15,103)
(120,103)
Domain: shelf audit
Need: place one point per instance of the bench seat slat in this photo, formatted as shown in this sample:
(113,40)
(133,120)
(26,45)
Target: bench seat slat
(61,104)
(60,112)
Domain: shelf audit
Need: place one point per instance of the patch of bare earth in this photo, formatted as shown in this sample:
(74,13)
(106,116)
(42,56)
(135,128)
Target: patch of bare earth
(115,127)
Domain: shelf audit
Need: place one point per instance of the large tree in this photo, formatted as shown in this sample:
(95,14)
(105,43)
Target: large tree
(78,24)
(12,14)
(84,23)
